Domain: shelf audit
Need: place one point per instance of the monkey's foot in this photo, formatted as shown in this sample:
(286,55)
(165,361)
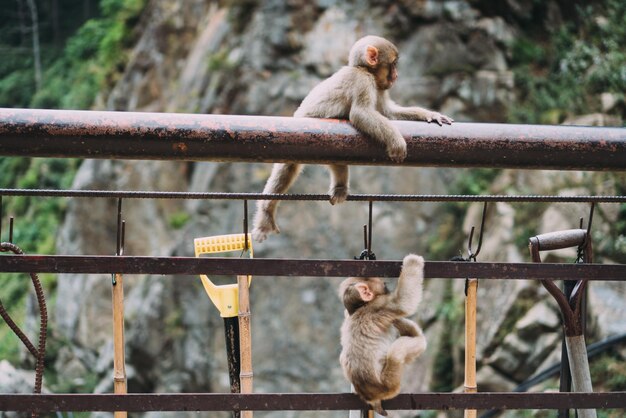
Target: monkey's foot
(263,228)
(338,194)
(377,406)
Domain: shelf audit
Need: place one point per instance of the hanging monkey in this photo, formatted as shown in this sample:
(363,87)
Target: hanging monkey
(377,339)
(357,92)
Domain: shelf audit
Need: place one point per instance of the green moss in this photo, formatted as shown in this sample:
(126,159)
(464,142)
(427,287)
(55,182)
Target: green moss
(179,219)
(450,313)
(609,371)
(219,61)
(563,75)
(36,222)
(92,59)
(13,297)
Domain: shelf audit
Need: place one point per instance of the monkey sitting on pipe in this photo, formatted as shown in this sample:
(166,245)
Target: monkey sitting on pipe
(358,92)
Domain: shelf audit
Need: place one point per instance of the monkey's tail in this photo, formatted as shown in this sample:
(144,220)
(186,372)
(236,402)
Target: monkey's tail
(378,408)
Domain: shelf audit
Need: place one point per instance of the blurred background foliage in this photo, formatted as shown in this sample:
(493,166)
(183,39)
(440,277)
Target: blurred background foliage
(83,48)
(566,72)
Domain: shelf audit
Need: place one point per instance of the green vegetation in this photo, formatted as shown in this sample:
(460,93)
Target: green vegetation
(450,314)
(179,219)
(74,73)
(617,242)
(219,61)
(609,370)
(36,222)
(565,74)
(78,61)
(449,240)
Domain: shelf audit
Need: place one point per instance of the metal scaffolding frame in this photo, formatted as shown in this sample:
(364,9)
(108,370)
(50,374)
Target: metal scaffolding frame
(125,135)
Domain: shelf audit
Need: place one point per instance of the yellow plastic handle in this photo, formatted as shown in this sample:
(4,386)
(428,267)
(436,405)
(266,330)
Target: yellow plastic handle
(222,244)
(224,297)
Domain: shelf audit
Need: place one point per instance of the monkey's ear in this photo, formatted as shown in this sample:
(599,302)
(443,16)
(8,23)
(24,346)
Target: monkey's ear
(364,291)
(371,55)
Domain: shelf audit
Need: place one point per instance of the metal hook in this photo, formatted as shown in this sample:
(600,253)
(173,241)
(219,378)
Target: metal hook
(121,232)
(364,236)
(593,206)
(120,235)
(245,226)
(10,224)
(369,238)
(367,253)
(11,229)
(123,237)
(471,255)
(583,245)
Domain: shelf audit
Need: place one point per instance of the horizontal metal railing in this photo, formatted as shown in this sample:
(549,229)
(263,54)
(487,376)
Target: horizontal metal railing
(295,267)
(168,136)
(136,402)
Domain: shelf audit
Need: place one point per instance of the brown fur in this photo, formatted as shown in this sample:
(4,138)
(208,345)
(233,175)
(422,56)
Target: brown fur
(372,358)
(358,92)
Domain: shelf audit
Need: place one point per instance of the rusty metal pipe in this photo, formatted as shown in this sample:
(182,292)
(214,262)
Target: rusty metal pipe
(136,402)
(190,137)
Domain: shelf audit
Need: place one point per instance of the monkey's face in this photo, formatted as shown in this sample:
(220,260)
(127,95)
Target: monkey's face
(386,73)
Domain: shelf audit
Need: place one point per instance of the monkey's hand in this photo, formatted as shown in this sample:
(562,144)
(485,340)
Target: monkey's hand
(408,293)
(397,150)
(412,264)
(439,119)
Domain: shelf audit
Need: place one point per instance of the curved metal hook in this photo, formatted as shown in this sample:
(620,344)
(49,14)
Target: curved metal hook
(367,253)
(246,245)
(120,229)
(471,254)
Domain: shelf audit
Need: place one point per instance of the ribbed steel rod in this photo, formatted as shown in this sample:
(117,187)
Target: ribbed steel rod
(142,402)
(296,267)
(168,136)
(144,194)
